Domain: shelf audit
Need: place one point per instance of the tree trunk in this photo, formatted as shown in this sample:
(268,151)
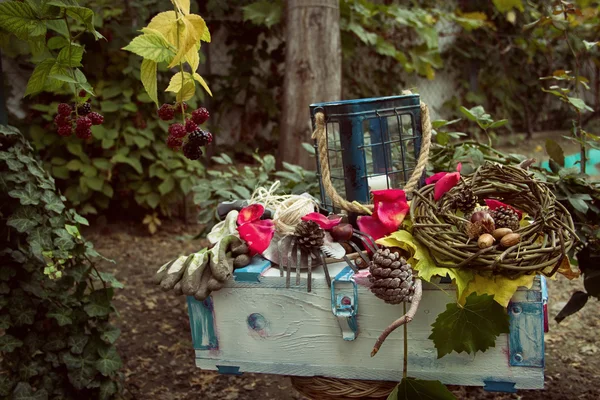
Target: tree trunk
(313,72)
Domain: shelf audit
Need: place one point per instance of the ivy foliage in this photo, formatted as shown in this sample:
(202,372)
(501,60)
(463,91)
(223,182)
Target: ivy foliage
(55,306)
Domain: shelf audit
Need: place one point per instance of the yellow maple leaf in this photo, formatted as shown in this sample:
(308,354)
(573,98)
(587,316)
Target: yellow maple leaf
(423,262)
(502,287)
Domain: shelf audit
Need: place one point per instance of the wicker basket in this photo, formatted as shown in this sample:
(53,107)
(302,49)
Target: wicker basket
(544,242)
(322,388)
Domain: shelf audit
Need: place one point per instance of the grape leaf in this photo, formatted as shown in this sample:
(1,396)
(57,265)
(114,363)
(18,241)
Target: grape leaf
(471,327)
(418,389)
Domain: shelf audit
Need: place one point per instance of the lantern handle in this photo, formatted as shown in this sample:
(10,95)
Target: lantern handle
(320,136)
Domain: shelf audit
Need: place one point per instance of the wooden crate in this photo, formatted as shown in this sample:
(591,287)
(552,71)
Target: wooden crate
(256,324)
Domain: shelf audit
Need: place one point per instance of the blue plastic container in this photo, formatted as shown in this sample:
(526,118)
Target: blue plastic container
(372,144)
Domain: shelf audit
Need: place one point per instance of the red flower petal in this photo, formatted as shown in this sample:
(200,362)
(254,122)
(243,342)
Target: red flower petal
(435,177)
(251,213)
(257,235)
(324,222)
(458,167)
(493,204)
(372,226)
(388,195)
(392,214)
(445,184)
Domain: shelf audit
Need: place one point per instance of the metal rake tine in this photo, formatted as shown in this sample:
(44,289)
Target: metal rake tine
(364,240)
(373,242)
(350,263)
(289,264)
(309,283)
(298,264)
(325,269)
(359,251)
(280,252)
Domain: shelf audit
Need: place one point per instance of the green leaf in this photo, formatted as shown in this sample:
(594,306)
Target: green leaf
(148,78)
(64,240)
(579,204)
(151,47)
(506,5)
(153,200)
(498,124)
(78,342)
(61,316)
(471,327)
(133,162)
(109,106)
(24,219)
(418,389)
(166,186)
(109,361)
(263,12)
(99,305)
(73,230)
(38,78)
(579,104)
(93,182)
(202,82)
(20,20)
(57,42)
(8,343)
(589,45)
(555,152)
(24,391)
(28,195)
(70,56)
(111,335)
(107,389)
(53,202)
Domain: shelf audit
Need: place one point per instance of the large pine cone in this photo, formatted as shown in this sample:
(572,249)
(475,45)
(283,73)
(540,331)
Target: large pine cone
(465,199)
(391,277)
(310,235)
(505,217)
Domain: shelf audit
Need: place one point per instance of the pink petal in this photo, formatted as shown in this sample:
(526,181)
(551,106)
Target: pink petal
(372,226)
(493,204)
(459,167)
(435,177)
(445,184)
(391,214)
(324,222)
(257,235)
(251,213)
(389,195)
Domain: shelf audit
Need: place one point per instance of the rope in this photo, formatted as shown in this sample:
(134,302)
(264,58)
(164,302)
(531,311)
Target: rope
(320,135)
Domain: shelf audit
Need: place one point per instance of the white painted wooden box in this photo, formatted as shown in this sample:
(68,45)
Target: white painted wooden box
(255,324)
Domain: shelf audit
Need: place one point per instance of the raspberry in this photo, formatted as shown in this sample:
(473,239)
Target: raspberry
(84,109)
(190,126)
(97,119)
(83,132)
(174,142)
(64,109)
(82,93)
(200,137)
(83,122)
(166,112)
(177,107)
(192,151)
(177,130)
(62,120)
(65,130)
(200,115)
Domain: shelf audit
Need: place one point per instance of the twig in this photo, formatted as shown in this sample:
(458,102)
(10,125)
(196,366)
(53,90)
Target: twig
(405,363)
(405,319)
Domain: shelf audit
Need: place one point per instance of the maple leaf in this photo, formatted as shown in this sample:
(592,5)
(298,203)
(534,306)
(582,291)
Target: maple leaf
(471,327)
(418,389)
(499,286)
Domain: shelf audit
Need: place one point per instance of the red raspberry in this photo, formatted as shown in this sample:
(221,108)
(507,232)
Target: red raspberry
(65,130)
(190,126)
(64,109)
(209,137)
(177,131)
(97,119)
(200,115)
(83,122)
(166,112)
(82,93)
(62,120)
(83,132)
(177,107)
(174,142)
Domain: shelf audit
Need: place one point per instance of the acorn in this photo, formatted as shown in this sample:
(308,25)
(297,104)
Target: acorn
(486,240)
(510,240)
(240,249)
(481,222)
(342,232)
(501,232)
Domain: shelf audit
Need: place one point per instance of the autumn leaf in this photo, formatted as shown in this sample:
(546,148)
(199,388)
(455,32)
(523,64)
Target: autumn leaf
(418,389)
(471,327)
(499,286)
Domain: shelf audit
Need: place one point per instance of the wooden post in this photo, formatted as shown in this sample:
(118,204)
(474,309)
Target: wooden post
(313,63)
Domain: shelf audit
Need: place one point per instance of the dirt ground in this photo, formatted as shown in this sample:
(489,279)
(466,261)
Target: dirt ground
(159,360)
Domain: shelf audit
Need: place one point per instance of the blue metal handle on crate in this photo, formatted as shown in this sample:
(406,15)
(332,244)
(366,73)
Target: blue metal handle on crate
(344,303)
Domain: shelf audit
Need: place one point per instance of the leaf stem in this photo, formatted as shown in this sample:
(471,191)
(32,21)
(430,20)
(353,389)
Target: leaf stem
(177,11)
(69,61)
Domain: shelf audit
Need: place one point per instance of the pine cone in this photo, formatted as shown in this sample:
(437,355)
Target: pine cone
(465,199)
(310,235)
(505,217)
(391,277)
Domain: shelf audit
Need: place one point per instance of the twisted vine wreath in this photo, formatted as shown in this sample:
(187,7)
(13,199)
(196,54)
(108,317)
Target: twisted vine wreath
(544,242)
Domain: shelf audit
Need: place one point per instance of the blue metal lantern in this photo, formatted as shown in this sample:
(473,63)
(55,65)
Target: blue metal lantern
(371,144)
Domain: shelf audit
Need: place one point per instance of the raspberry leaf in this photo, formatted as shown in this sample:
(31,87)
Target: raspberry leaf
(471,327)
(418,389)
(148,77)
(151,46)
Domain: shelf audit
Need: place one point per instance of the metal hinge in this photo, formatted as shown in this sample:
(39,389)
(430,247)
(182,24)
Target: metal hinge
(344,303)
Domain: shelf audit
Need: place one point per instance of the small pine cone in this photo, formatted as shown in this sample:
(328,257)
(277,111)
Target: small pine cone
(310,235)
(465,199)
(505,217)
(391,277)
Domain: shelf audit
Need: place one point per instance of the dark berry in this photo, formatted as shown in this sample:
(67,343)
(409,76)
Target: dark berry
(64,109)
(190,126)
(166,112)
(200,115)
(83,122)
(97,119)
(65,130)
(192,151)
(174,142)
(84,109)
(177,107)
(62,120)
(82,93)
(177,130)
(83,132)
(200,137)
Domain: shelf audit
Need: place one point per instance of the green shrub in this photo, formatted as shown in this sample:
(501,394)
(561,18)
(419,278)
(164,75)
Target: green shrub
(55,305)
